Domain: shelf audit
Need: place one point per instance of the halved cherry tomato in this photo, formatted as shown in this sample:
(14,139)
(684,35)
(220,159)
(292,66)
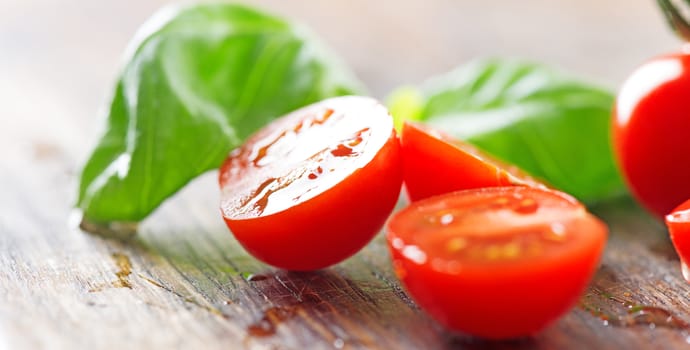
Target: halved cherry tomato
(678,223)
(651,132)
(435,163)
(313,187)
(497,262)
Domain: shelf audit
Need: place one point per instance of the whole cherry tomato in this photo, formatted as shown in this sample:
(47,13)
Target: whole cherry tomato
(313,187)
(651,132)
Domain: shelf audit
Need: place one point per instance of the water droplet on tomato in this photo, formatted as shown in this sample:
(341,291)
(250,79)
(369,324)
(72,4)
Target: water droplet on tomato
(338,343)
(415,254)
(447,219)
(397,243)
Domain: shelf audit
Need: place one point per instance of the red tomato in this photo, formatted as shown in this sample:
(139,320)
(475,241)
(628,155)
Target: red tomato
(678,223)
(497,262)
(652,132)
(435,163)
(314,187)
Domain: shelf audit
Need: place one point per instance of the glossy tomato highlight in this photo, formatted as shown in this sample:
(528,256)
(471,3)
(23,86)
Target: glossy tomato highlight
(313,187)
(651,132)
(435,163)
(498,262)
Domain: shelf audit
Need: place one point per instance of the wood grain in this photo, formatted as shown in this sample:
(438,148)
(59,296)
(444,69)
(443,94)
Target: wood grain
(183,282)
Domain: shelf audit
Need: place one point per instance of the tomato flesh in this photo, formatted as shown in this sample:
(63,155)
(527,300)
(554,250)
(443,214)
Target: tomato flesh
(435,163)
(497,262)
(650,132)
(315,186)
(678,223)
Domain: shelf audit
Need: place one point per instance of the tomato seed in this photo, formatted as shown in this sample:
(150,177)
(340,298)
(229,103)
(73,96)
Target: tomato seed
(526,206)
(456,244)
(501,201)
(511,250)
(493,252)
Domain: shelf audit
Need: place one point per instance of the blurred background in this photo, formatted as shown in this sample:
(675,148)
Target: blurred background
(59,58)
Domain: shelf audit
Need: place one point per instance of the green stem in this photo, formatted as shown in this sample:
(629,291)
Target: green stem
(676,13)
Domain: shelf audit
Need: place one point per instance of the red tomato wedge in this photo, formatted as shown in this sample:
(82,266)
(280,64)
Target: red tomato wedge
(435,163)
(678,223)
(498,262)
(313,187)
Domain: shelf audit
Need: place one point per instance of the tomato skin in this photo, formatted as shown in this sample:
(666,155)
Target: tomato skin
(651,126)
(435,163)
(502,300)
(331,226)
(678,224)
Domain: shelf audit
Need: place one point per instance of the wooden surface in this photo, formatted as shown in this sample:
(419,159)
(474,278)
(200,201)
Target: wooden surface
(183,282)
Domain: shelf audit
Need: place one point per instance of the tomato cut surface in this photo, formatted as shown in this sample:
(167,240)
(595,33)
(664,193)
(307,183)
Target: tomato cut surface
(651,125)
(497,262)
(313,187)
(678,223)
(435,163)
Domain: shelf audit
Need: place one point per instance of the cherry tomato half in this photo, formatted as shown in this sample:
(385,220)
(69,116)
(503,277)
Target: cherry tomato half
(497,262)
(678,223)
(435,163)
(652,132)
(313,187)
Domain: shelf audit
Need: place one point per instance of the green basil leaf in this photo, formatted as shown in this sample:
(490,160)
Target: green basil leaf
(552,126)
(198,80)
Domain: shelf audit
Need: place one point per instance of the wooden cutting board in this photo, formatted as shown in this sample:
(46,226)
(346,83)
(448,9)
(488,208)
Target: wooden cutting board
(184,282)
